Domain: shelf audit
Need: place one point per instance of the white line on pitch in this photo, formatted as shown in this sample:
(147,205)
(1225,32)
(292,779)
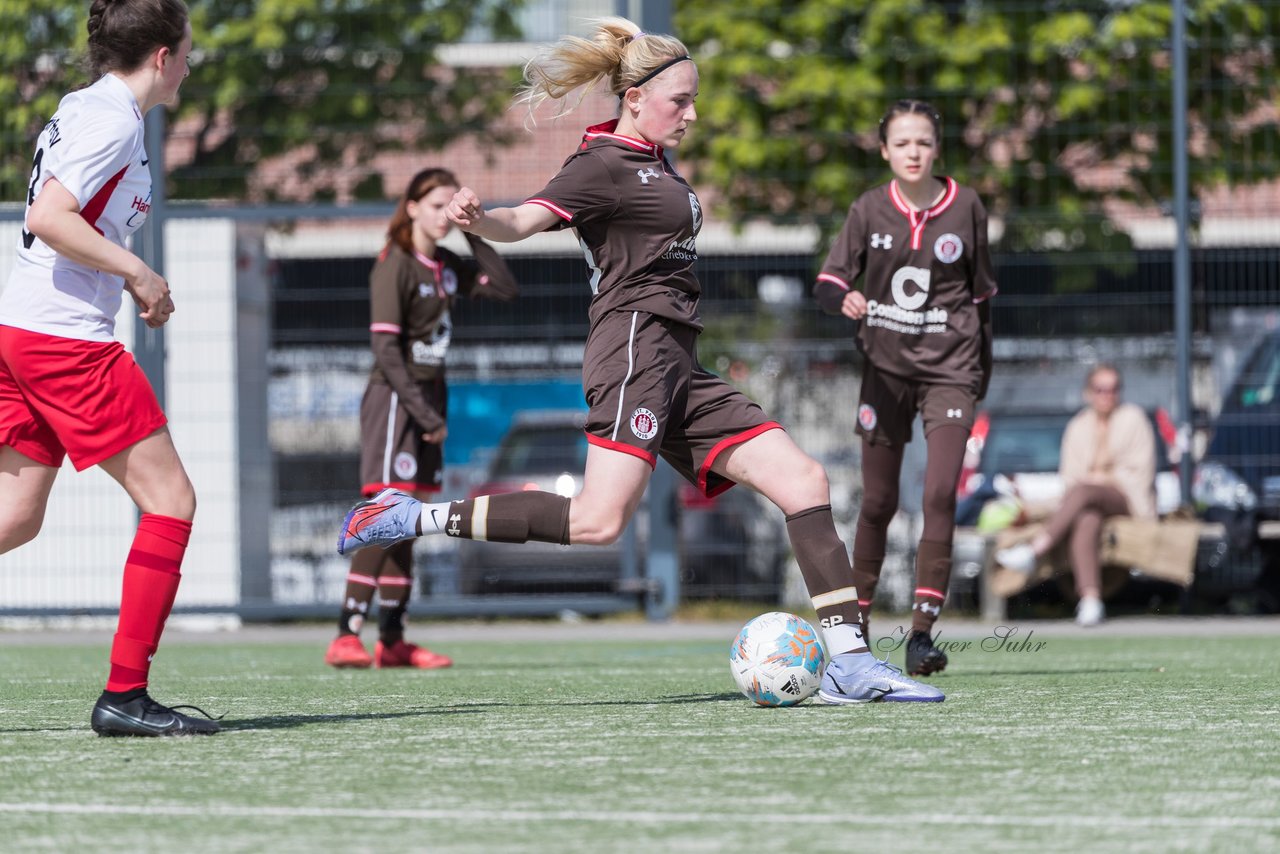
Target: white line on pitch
(640,816)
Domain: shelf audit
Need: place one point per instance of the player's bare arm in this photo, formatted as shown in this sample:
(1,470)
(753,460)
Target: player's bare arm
(55,218)
(501,225)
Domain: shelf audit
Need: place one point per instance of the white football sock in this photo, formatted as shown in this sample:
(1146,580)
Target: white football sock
(435,517)
(844,637)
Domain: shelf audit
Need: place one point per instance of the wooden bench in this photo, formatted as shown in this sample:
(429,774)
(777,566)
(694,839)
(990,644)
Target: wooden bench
(996,585)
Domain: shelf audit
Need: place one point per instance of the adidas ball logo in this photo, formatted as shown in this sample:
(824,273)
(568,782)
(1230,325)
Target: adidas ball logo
(792,686)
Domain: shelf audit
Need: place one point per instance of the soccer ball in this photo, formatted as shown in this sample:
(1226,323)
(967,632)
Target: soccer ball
(777,660)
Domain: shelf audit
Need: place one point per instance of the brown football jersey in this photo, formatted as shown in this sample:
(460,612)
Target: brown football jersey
(637,222)
(410,296)
(923,274)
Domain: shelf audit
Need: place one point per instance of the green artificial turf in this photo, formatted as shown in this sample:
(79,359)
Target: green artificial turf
(1149,744)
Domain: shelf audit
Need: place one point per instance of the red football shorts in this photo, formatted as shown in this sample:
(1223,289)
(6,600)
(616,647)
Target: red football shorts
(65,397)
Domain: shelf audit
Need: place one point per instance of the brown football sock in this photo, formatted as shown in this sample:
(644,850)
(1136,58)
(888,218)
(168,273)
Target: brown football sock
(824,563)
(395,585)
(514,517)
(362,581)
(866,576)
(933,573)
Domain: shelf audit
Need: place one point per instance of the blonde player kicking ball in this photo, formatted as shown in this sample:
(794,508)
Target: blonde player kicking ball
(638,223)
(67,388)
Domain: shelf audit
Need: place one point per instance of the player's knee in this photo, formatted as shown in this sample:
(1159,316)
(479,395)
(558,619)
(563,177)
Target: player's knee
(600,530)
(816,476)
(878,506)
(607,534)
(1077,493)
(188,505)
(939,502)
(182,501)
(812,477)
(19,530)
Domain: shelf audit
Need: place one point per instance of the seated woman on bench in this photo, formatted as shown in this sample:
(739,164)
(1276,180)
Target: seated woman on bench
(1108,469)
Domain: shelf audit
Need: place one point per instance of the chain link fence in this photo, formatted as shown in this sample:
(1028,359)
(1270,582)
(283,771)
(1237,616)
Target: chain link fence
(268,354)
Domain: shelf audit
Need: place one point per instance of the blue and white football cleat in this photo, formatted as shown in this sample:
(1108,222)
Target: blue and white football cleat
(383,520)
(863,678)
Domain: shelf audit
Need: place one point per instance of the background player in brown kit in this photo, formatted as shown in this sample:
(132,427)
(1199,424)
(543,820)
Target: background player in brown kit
(919,243)
(402,416)
(637,221)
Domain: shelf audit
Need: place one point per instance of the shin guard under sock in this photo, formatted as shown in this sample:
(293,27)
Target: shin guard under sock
(824,563)
(151,576)
(513,517)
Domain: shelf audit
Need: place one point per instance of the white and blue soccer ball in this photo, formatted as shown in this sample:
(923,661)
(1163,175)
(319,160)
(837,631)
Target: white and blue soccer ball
(777,659)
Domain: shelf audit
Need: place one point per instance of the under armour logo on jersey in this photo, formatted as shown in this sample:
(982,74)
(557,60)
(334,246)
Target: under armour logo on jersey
(955,413)
(881,241)
(646,174)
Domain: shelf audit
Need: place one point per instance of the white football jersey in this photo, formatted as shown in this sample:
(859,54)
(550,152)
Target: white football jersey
(93,146)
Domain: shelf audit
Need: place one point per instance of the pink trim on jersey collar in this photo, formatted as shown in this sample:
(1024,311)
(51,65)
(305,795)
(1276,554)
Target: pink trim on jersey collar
(605,130)
(919,218)
(430,262)
(434,266)
(900,202)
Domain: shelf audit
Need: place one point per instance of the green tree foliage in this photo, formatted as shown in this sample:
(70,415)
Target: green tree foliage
(1048,108)
(38,42)
(328,82)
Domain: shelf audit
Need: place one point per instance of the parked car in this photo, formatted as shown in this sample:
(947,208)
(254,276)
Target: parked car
(1237,483)
(732,546)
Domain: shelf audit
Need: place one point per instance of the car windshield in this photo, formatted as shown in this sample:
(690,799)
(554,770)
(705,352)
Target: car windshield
(1029,444)
(534,450)
(1023,444)
(1257,384)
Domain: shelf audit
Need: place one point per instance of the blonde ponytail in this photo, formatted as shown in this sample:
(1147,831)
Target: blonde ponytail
(617,53)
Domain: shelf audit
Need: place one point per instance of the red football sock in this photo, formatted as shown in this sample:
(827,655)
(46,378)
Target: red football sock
(151,576)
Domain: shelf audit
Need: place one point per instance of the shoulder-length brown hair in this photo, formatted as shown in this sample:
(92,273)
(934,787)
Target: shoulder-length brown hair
(400,230)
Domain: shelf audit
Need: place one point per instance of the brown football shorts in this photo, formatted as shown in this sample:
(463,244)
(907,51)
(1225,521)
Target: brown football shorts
(392,452)
(888,404)
(648,396)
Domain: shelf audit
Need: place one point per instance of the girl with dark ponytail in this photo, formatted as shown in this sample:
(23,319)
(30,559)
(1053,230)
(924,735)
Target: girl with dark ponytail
(67,388)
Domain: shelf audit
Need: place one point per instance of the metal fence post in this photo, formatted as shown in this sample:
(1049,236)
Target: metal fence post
(148,343)
(256,484)
(1181,250)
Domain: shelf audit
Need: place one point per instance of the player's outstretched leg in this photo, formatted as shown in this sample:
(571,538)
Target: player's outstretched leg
(516,517)
(383,520)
